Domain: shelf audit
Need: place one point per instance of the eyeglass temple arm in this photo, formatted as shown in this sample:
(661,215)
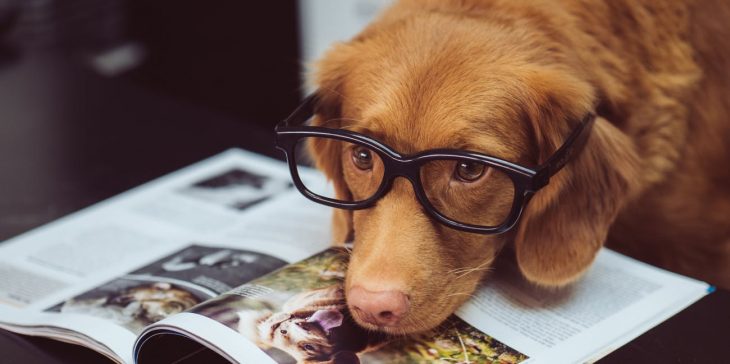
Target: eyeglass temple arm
(302,113)
(572,146)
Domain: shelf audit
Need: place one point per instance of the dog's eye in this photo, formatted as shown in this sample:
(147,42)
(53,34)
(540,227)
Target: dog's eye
(308,347)
(467,171)
(362,158)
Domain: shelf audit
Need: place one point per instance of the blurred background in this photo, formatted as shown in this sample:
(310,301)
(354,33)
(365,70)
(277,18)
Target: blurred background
(241,58)
(99,96)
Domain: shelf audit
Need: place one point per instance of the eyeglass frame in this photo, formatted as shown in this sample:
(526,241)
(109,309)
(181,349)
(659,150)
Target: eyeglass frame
(526,181)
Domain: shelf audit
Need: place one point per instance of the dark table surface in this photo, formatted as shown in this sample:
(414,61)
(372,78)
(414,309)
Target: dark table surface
(70,138)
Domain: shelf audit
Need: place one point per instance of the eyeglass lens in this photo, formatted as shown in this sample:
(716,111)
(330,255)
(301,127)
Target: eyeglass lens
(465,191)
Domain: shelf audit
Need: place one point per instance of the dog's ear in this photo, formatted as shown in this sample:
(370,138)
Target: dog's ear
(567,221)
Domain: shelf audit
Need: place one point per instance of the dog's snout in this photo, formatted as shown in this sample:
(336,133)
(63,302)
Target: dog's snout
(379,308)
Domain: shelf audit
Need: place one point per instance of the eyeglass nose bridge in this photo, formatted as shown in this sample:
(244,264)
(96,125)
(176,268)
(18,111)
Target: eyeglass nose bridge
(404,168)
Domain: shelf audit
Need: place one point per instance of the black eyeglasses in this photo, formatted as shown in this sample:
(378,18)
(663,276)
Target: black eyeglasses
(464,190)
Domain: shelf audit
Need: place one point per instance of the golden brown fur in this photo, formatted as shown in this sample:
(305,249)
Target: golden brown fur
(510,78)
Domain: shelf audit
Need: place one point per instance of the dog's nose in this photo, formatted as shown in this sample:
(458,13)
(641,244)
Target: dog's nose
(381,308)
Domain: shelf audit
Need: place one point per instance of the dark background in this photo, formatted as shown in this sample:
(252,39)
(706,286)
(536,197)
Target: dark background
(212,75)
(237,57)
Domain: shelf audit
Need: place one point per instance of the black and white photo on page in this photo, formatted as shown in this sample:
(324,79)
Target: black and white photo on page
(170,285)
(236,188)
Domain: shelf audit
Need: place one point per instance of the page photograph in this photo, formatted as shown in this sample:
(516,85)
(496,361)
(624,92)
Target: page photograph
(169,285)
(236,188)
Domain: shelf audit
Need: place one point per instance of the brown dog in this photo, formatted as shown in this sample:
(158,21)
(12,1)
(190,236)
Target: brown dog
(509,78)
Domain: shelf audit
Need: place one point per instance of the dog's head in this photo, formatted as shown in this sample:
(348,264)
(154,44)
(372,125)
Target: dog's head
(443,80)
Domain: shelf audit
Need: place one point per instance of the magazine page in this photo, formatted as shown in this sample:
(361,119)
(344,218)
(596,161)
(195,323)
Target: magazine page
(298,315)
(617,300)
(108,317)
(107,271)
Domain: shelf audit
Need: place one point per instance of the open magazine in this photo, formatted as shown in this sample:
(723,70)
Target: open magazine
(225,259)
